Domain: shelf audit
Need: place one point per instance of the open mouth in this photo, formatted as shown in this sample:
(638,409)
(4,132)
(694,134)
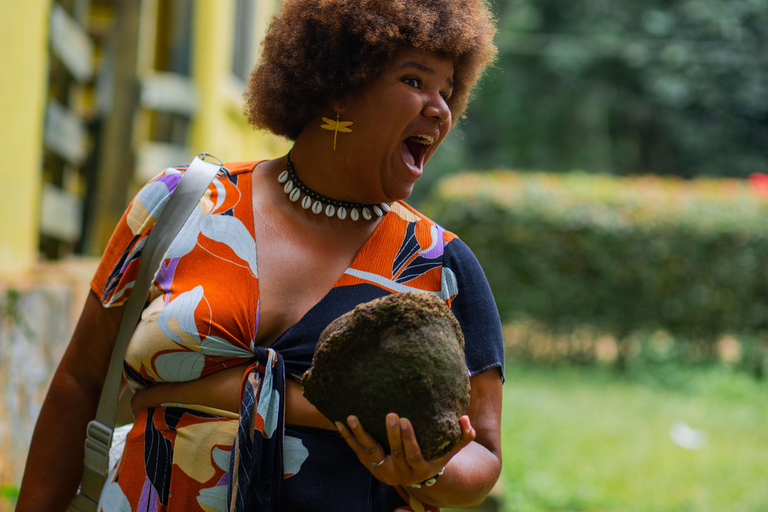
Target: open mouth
(415,148)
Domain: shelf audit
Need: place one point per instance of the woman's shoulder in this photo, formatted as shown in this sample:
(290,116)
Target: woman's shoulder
(463,283)
(151,199)
(420,221)
(235,168)
(454,252)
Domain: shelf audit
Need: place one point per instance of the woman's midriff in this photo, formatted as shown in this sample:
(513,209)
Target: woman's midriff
(225,395)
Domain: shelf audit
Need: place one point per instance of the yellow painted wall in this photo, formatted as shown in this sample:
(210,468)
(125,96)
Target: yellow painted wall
(219,126)
(23,82)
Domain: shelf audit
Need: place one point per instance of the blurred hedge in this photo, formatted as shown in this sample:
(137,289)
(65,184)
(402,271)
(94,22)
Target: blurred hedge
(619,254)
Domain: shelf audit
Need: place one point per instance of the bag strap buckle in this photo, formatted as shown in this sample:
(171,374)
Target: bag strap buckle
(97,441)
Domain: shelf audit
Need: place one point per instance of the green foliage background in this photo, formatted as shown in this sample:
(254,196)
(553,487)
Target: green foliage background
(619,254)
(623,87)
(613,87)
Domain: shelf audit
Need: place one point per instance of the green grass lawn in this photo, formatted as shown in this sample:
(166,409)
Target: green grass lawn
(589,440)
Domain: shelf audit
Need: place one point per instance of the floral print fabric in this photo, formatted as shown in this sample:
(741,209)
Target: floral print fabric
(202,316)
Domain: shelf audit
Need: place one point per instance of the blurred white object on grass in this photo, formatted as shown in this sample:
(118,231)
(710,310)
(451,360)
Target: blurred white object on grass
(686,437)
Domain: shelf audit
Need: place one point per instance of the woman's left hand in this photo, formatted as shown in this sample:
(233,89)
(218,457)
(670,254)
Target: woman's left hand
(405,465)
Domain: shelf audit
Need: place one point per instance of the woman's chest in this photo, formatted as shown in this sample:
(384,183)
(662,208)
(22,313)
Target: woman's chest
(203,321)
(296,271)
(204,312)
(301,256)
(217,297)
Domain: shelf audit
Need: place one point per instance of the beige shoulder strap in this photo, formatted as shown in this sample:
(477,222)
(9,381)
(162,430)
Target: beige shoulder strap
(183,200)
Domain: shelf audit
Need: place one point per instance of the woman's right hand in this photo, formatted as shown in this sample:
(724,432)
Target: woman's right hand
(405,464)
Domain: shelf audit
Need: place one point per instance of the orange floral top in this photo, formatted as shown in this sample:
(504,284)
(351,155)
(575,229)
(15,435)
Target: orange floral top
(202,316)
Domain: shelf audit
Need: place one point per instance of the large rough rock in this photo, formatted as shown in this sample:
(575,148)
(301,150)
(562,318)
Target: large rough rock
(402,353)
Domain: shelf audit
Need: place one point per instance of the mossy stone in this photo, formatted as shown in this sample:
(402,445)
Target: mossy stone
(401,353)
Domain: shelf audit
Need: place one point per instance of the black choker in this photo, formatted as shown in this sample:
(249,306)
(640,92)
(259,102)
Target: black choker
(294,188)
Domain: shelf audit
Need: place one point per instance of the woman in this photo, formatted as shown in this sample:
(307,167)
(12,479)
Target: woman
(367,90)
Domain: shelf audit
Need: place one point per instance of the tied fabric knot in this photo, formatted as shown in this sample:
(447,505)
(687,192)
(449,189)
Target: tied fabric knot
(256,465)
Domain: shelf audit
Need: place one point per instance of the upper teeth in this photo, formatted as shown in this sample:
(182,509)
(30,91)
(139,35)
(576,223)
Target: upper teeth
(423,139)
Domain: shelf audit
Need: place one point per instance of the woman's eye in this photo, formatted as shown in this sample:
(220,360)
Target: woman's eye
(413,82)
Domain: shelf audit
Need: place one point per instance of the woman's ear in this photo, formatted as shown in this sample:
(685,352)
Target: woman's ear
(336,104)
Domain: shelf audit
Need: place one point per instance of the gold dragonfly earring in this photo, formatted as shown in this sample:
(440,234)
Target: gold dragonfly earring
(336,127)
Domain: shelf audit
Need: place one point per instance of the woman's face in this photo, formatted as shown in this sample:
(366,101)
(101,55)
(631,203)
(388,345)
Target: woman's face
(399,120)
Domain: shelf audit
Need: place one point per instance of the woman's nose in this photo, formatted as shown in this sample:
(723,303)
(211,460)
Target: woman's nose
(438,110)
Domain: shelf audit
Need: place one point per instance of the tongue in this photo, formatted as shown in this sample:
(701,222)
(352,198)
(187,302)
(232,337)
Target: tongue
(407,155)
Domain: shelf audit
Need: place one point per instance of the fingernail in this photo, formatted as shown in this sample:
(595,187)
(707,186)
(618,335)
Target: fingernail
(339,426)
(391,420)
(403,424)
(352,421)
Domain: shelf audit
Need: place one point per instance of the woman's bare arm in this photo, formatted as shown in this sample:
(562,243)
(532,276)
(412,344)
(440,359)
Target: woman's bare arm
(55,461)
(220,390)
(471,470)
(472,473)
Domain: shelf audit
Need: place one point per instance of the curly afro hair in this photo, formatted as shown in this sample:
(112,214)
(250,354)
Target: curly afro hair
(316,50)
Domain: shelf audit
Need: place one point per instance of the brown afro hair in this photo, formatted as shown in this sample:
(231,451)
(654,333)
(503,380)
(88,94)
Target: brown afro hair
(316,50)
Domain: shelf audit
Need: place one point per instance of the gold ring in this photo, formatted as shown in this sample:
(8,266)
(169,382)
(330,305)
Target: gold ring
(377,464)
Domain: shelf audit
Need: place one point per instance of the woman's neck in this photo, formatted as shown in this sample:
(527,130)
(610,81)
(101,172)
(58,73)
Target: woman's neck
(324,169)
